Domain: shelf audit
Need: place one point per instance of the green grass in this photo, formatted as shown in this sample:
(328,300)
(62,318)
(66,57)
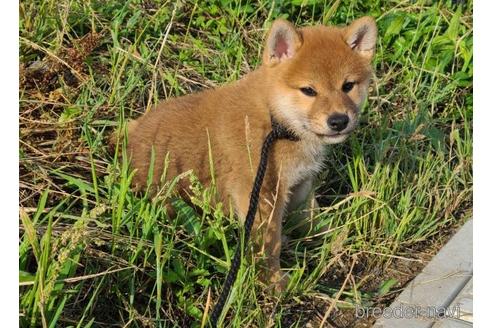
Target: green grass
(92,253)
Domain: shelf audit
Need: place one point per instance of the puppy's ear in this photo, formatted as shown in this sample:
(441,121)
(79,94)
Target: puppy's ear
(282,42)
(361,36)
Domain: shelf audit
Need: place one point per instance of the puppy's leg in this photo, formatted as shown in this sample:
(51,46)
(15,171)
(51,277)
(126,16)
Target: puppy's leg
(267,237)
(272,243)
(300,194)
(303,208)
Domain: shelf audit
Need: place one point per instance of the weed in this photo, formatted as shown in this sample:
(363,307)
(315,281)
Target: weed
(94,253)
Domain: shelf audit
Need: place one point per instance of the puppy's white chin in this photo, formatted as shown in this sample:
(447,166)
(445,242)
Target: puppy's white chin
(335,139)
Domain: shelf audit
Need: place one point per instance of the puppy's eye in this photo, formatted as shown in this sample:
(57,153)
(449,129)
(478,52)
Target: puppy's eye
(308,91)
(347,86)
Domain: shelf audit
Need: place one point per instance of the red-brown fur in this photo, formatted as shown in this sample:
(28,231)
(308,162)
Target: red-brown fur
(235,119)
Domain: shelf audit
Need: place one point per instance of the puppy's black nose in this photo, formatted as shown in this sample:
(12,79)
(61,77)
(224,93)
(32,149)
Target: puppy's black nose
(338,122)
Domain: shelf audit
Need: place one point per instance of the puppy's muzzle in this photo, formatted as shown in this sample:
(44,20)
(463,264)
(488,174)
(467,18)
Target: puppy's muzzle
(338,122)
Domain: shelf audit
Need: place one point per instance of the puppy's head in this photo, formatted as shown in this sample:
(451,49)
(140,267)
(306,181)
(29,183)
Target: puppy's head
(318,76)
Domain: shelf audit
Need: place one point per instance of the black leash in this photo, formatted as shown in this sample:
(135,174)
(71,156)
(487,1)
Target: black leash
(278,132)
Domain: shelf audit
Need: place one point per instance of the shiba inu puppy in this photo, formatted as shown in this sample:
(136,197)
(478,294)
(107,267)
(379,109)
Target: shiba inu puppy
(312,81)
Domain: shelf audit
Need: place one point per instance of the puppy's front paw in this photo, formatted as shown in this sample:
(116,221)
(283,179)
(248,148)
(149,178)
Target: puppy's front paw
(279,282)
